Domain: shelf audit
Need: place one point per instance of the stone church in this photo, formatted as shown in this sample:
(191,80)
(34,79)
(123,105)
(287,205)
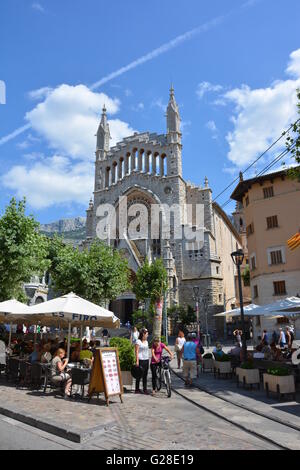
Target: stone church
(147,169)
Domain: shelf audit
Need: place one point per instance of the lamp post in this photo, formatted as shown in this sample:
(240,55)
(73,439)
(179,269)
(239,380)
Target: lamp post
(238,258)
(196,290)
(205,307)
(165,314)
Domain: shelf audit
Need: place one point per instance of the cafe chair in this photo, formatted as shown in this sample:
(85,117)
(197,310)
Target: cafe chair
(12,371)
(37,377)
(80,377)
(24,374)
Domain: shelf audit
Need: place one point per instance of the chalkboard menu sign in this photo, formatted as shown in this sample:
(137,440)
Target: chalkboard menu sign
(106,374)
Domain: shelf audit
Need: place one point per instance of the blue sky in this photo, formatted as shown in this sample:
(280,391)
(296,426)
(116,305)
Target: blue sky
(235,66)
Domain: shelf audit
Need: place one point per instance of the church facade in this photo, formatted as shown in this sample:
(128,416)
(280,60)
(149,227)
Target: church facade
(146,169)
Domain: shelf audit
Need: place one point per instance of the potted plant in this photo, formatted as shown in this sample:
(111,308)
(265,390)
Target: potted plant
(248,374)
(208,362)
(222,365)
(126,357)
(279,380)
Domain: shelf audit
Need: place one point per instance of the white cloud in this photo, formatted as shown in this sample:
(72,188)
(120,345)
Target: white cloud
(39,94)
(69,117)
(206,87)
(38,7)
(55,180)
(261,115)
(138,107)
(159,104)
(211,126)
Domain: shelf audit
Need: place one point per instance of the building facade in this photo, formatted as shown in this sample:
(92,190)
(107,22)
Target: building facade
(147,169)
(271,206)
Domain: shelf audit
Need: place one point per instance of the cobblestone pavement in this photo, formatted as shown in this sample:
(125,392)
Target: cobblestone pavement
(141,422)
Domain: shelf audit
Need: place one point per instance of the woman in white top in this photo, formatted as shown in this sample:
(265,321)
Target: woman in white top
(180,340)
(134,335)
(142,359)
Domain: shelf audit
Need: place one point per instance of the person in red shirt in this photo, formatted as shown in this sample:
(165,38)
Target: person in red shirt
(156,353)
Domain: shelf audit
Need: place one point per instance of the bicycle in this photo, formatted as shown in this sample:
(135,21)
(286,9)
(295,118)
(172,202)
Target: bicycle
(163,374)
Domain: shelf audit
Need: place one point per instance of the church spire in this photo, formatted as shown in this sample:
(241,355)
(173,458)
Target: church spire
(173,118)
(103,133)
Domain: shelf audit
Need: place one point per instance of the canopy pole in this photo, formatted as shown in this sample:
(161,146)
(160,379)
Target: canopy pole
(35,334)
(69,340)
(81,333)
(9,341)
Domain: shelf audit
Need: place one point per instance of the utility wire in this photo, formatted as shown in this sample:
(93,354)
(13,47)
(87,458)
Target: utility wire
(268,167)
(255,161)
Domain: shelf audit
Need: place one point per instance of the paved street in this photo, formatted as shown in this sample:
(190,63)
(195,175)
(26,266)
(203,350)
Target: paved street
(142,422)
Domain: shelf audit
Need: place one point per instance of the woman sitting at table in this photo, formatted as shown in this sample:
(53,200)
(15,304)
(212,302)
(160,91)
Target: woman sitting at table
(85,353)
(58,374)
(35,356)
(46,355)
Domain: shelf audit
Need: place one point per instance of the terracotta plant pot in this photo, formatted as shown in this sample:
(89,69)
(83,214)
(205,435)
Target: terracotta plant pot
(248,376)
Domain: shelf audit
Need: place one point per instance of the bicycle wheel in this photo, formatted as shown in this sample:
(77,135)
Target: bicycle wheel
(168,383)
(158,379)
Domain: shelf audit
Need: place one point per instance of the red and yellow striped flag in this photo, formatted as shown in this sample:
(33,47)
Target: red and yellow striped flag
(294,242)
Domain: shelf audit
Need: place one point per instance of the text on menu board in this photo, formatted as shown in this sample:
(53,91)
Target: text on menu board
(111,372)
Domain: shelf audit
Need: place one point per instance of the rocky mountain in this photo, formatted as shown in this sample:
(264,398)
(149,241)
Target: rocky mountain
(71,230)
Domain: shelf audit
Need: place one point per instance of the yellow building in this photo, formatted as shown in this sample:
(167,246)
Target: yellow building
(272,215)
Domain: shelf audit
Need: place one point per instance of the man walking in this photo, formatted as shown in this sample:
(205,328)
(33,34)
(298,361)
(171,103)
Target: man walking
(190,354)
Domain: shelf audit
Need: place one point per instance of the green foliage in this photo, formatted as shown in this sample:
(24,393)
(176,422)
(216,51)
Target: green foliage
(246,276)
(247,365)
(142,319)
(183,316)
(98,274)
(279,371)
(126,352)
(293,143)
(151,281)
(23,251)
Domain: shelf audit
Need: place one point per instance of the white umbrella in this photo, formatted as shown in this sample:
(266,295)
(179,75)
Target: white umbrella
(12,310)
(290,304)
(249,310)
(72,309)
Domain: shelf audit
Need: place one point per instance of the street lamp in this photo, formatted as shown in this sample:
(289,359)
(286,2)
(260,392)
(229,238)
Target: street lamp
(204,300)
(196,290)
(238,258)
(165,314)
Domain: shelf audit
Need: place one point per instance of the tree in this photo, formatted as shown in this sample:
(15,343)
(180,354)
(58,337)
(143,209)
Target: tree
(182,316)
(151,283)
(23,251)
(293,143)
(99,274)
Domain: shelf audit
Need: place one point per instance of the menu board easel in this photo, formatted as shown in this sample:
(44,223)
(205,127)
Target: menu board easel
(106,374)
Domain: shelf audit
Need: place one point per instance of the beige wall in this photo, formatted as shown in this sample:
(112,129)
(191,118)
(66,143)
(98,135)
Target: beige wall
(226,241)
(286,206)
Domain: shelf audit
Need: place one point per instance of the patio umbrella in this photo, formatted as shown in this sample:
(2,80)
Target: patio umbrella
(281,307)
(249,310)
(12,310)
(72,309)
